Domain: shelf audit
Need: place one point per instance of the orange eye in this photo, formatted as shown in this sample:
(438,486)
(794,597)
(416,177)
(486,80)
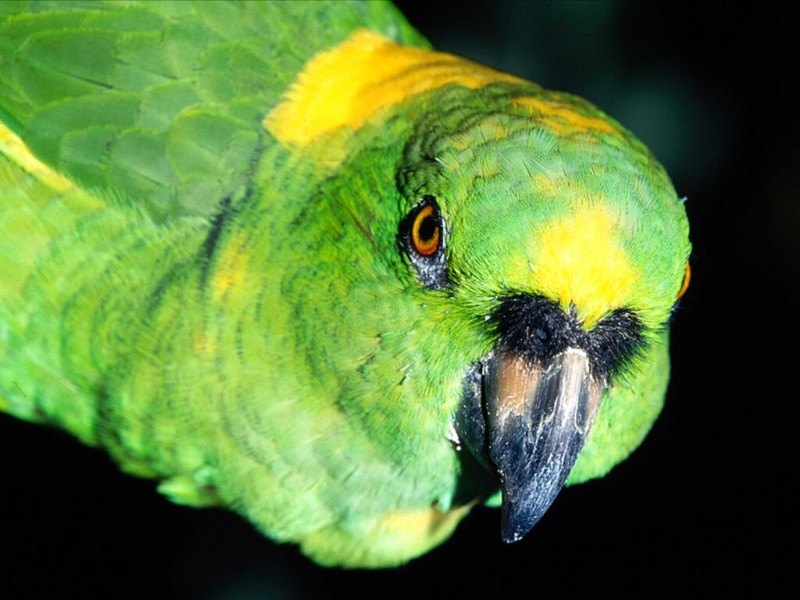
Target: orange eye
(426,231)
(687,276)
(421,237)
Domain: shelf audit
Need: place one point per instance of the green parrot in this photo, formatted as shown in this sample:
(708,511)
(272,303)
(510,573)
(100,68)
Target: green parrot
(285,258)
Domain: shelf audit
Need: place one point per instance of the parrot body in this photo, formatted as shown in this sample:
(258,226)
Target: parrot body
(286,259)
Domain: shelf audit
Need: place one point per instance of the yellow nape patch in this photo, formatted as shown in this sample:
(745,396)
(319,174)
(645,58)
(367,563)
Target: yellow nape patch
(16,150)
(562,118)
(345,86)
(580,263)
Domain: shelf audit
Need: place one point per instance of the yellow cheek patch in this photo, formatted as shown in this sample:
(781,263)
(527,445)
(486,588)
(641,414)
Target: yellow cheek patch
(563,119)
(345,86)
(579,263)
(17,151)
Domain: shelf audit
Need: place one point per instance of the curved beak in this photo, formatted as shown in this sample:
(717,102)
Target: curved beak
(537,418)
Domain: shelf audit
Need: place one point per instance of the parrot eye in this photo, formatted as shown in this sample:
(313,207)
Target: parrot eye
(422,236)
(426,231)
(687,277)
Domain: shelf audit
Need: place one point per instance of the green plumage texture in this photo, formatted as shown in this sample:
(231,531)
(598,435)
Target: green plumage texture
(236,318)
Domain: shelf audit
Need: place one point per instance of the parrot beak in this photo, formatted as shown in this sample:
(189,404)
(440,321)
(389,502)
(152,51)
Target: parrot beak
(531,427)
(539,417)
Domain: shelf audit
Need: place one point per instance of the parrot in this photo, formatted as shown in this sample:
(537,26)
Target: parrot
(287,259)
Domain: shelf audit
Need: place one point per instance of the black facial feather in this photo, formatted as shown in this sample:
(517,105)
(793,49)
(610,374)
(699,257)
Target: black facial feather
(537,329)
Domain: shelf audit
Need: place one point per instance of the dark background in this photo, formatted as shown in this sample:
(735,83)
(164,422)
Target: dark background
(701,507)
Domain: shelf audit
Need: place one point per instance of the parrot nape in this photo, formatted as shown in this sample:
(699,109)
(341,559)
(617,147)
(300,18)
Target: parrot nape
(286,259)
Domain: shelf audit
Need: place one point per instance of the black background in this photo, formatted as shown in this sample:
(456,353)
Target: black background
(701,507)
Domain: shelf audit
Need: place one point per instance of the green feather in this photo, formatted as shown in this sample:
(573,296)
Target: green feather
(240,315)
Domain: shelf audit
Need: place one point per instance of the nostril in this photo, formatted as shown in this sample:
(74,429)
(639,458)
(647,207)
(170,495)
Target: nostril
(542,333)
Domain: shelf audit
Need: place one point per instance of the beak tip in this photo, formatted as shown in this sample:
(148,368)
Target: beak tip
(512,535)
(519,518)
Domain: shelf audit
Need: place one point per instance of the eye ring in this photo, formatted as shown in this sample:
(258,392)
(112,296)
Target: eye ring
(426,231)
(687,277)
(422,237)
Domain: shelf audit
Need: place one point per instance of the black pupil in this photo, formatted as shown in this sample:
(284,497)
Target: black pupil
(427,229)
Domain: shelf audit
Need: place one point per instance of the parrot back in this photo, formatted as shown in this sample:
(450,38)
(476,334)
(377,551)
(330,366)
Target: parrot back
(123,131)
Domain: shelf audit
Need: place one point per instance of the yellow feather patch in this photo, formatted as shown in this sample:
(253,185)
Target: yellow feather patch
(230,270)
(561,118)
(547,186)
(395,537)
(422,521)
(420,528)
(580,263)
(16,150)
(204,344)
(345,86)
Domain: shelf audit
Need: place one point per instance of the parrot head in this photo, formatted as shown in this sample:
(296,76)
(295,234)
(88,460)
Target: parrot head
(561,245)
(502,261)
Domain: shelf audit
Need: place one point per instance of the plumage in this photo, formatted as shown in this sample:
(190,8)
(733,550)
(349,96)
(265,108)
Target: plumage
(285,258)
